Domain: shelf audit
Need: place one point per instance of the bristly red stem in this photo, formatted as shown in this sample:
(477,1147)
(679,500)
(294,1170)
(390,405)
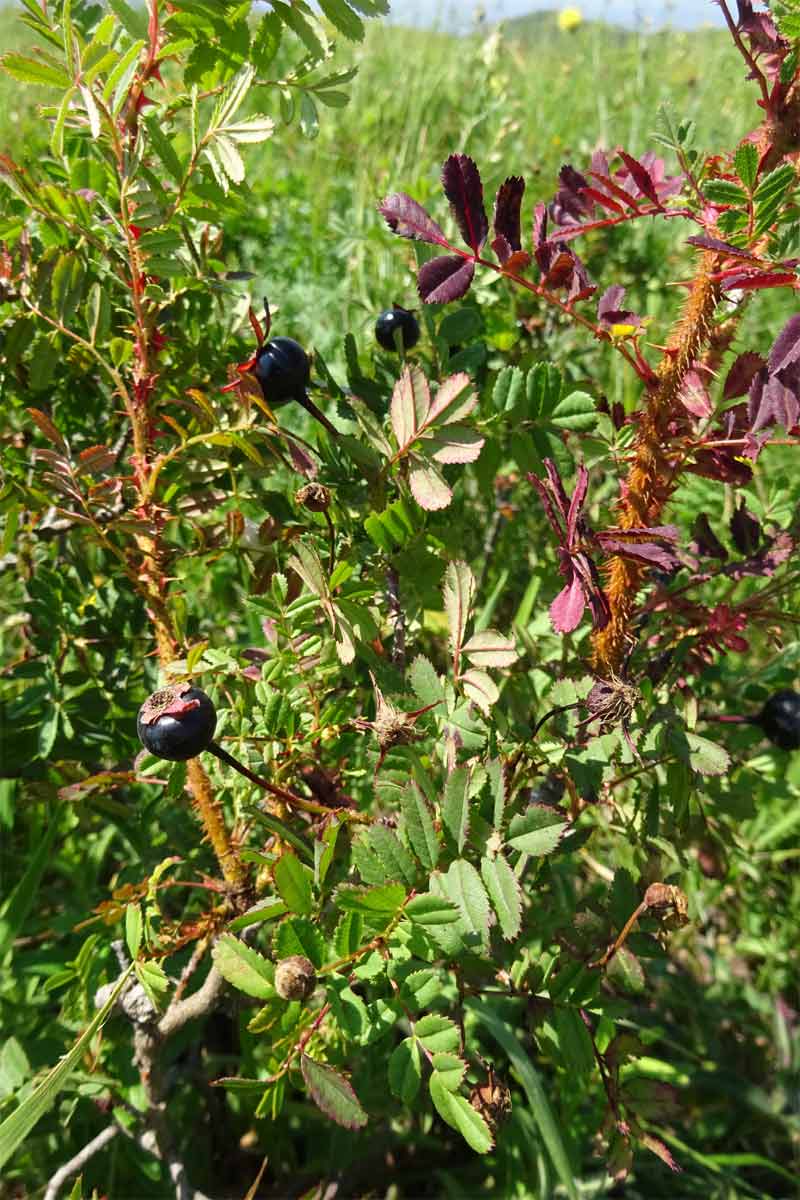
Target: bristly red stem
(758,74)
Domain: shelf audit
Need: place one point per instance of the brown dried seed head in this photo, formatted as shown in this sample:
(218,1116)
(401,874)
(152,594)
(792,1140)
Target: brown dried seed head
(668,903)
(492,1099)
(314,496)
(295,978)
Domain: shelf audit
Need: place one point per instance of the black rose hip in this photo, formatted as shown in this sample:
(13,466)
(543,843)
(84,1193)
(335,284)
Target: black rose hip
(283,369)
(780,719)
(393,321)
(177,722)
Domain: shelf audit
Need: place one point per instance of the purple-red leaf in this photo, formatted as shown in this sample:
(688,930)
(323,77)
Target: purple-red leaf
(567,608)
(610,311)
(741,374)
(745,530)
(462,186)
(785,351)
(772,402)
(445,279)
(47,427)
(694,395)
(408,219)
(506,212)
(705,242)
(706,541)
(502,249)
(756,281)
(660,1150)
(646,552)
(641,177)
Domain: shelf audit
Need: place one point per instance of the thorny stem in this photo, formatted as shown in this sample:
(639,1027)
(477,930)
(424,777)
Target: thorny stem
(151,573)
(651,480)
(396,619)
(210,812)
(758,75)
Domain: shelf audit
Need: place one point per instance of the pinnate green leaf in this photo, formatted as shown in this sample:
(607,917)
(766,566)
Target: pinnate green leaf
(33,70)
(576,412)
(411,400)
(706,757)
(490,649)
(153,979)
(332,1093)
(429,909)
(462,884)
(293,882)
(509,389)
(383,901)
(265,910)
(480,688)
(538,830)
(367,863)
(745,163)
(574,1041)
(450,1069)
(543,388)
(459,593)
(427,685)
(457,1111)
(455,806)
(244,967)
(344,19)
(504,893)
(419,825)
(428,486)
(421,988)
(298,935)
(397,862)
(625,971)
(349,934)
(133,928)
(405,1070)
(723,191)
(437,1033)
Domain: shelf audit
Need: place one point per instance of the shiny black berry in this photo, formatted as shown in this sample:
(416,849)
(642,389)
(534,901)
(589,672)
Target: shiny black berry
(177,722)
(396,319)
(283,369)
(780,719)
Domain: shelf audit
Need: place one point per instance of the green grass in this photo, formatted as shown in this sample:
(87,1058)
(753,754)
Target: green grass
(518,106)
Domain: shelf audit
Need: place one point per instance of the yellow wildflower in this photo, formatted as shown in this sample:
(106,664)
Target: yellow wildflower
(569,19)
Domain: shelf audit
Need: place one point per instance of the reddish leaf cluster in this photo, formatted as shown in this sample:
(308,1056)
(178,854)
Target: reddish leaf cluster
(577,542)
